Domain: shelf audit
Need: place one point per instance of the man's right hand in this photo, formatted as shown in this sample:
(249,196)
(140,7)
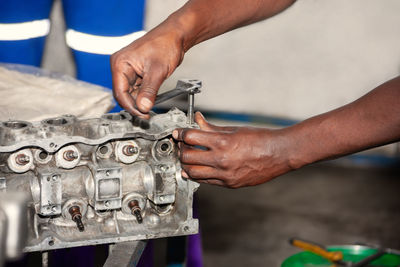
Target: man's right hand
(139,69)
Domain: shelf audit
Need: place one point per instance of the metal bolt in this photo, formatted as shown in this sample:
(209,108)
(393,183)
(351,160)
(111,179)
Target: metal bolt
(190,111)
(130,150)
(54,209)
(54,178)
(136,210)
(164,168)
(161,198)
(108,173)
(70,155)
(107,203)
(76,216)
(22,159)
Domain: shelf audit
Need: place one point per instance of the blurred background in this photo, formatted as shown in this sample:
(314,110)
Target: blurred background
(314,57)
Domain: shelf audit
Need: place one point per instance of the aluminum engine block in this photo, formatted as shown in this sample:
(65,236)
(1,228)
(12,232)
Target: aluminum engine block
(97,181)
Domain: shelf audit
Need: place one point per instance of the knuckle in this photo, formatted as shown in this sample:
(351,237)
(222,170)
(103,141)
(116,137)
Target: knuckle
(222,142)
(148,89)
(184,158)
(184,134)
(116,59)
(223,161)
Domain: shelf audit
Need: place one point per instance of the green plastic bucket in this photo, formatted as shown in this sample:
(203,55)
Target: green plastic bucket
(350,253)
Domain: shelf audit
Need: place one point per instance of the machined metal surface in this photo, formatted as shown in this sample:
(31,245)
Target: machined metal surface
(97,181)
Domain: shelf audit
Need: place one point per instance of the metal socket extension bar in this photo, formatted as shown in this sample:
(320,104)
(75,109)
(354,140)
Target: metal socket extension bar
(189,87)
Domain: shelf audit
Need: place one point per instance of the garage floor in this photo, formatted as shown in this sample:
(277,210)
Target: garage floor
(323,203)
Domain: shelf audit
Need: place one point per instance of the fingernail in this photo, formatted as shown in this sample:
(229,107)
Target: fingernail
(184,174)
(146,103)
(175,134)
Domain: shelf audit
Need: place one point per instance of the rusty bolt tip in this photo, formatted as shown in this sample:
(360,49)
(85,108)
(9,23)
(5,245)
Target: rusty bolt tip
(22,159)
(138,215)
(130,150)
(70,155)
(135,210)
(133,204)
(79,224)
(76,216)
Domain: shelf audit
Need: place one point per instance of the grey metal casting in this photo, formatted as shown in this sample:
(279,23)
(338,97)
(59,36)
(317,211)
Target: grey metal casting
(97,181)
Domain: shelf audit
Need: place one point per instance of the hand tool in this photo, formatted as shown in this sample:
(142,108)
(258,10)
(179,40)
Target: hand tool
(336,257)
(186,86)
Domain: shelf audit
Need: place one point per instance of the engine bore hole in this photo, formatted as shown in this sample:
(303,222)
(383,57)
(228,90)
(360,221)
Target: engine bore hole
(163,208)
(103,150)
(56,121)
(115,117)
(43,155)
(15,124)
(164,147)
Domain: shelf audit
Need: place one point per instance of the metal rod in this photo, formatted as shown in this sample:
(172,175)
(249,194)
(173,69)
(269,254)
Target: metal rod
(190,111)
(45,259)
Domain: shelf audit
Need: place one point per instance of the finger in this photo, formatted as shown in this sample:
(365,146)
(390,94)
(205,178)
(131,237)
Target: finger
(200,172)
(193,156)
(121,93)
(211,181)
(196,137)
(152,80)
(205,125)
(133,91)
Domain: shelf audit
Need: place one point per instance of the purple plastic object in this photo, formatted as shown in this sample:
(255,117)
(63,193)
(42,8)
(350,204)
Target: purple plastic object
(194,246)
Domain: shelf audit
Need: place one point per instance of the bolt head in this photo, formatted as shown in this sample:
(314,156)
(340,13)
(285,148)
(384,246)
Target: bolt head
(22,159)
(130,150)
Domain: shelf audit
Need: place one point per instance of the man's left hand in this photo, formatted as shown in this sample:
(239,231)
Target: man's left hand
(231,156)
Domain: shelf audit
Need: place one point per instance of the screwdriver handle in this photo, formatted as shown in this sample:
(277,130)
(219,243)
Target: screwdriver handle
(333,256)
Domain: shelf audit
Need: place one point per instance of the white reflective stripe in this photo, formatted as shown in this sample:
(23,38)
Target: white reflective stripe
(95,44)
(24,30)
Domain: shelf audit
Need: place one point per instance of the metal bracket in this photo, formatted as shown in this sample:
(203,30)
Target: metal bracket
(108,188)
(164,190)
(50,194)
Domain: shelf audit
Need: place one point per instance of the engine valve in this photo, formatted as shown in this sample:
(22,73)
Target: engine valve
(135,210)
(70,155)
(76,215)
(22,159)
(129,150)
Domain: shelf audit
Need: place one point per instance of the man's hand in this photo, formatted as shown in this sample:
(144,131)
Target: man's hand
(243,156)
(234,156)
(139,69)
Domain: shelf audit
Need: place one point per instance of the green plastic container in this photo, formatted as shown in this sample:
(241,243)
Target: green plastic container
(350,253)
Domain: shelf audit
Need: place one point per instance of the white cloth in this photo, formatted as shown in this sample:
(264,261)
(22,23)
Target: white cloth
(34,94)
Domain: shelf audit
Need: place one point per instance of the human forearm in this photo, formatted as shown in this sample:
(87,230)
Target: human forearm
(199,20)
(140,68)
(370,121)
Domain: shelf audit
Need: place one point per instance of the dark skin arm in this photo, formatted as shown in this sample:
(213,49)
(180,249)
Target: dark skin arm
(139,69)
(244,156)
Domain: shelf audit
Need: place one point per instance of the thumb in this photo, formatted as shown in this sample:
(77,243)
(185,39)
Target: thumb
(152,80)
(206,126)
(202,122)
